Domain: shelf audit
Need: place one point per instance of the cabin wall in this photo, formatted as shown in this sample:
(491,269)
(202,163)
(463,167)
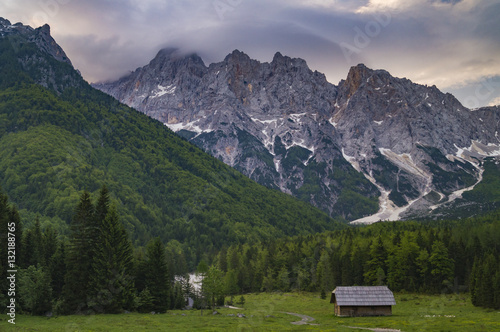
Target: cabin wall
(363,311)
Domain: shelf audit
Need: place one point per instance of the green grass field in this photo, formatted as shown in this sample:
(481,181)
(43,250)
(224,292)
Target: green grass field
(266,312)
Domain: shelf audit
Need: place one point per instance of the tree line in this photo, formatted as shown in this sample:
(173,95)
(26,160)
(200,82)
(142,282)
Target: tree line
(423,257)
(97,269)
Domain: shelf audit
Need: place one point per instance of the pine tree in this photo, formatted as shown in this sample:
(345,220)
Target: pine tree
(486,281)
(50,244)
(178,296)
(324,273)
(28,257)
(241,301)
(424,268)
(57,269)
(441,266)
(358,259)
(402,267)
(496,289)
(35,291)
(79,257)
(378,257)
(231,283)
(268,281)
(140,269)
(102,206)
(157,280)
(474,283)
(98,219)
(145,301)
(4,230)
(38,244)
(111,284)
(483,285)
(283,280)
(15,219)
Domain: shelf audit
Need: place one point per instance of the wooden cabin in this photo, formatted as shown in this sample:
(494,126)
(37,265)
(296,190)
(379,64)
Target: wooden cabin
(363,301)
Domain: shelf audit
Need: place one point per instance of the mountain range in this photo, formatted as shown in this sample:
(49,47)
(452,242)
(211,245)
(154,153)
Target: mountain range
(374,147)
(59,137)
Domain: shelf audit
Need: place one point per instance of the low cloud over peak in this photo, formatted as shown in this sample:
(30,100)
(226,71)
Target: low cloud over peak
(453,44)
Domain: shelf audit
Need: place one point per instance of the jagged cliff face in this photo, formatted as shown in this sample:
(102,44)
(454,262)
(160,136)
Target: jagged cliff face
(372,143)
(44,71)
(415,143)
(40,36)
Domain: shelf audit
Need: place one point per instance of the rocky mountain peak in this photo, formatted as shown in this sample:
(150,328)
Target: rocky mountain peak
(355,78)
(45,29)
(174,55)
(374,138)
(45,42)
(4,22)
(241,64)
(164,55)
(171,63)
(237,56)
(6,28)
(39,65)
(288,62)
(40,36)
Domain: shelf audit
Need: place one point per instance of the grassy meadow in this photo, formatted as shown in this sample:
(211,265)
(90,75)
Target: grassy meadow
(267,312)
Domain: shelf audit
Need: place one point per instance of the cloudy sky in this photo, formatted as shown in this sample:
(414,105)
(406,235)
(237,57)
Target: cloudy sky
(454,44)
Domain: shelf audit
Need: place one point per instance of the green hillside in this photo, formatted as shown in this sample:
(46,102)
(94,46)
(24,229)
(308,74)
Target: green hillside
(59,140)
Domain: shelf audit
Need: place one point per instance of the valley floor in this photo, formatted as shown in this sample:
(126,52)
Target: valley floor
(279,312)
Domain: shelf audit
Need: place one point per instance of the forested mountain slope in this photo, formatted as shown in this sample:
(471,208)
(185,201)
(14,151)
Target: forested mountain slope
(59,136)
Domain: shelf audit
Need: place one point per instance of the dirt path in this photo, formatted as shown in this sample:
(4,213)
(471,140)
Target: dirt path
(376,329)
(232,307)
(304,319)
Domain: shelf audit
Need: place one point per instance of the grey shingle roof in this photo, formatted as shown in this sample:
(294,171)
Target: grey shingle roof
(363,296)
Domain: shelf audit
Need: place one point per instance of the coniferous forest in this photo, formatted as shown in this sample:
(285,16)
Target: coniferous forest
(98,270)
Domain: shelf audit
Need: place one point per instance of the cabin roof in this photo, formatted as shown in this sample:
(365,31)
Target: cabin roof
(363,296)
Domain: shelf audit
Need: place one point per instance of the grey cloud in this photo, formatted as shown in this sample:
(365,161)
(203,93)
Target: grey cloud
(426,41)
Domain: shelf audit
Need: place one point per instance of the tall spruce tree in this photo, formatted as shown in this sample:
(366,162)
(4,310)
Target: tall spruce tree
(99,215)
(15,219)
(111,286)
(28,256)
(4,221)
(79,257)
(102,206)
(35,291)
(378,257)
(157,280)
(50,244)
(10,227)
(57,269)
(38,244)
(441,266)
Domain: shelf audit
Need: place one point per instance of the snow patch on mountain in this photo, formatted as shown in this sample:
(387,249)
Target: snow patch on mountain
(354,163)
(190,126)
(404,161)
(458,193)
(477,150)
(162,90)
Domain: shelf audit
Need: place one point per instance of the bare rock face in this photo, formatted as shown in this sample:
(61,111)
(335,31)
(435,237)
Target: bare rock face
(40,36)
(39,64)
(372,143)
